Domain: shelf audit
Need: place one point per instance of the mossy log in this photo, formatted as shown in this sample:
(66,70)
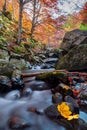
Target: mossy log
(54,78)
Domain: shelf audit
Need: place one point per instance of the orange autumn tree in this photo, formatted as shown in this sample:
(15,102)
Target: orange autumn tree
(38,19)
(40,25)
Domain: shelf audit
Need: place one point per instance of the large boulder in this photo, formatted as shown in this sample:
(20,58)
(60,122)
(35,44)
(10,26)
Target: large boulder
(73,38)
(75,59)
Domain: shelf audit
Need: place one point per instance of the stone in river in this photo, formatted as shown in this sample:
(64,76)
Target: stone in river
(13,95)
(27,92)
(18,123)
(5,84)
(52,112)
(57,98)
(17,83)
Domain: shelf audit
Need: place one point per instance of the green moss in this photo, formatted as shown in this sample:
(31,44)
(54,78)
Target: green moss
(53,78)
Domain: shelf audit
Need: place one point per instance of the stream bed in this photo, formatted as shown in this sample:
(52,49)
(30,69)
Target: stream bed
(25,110)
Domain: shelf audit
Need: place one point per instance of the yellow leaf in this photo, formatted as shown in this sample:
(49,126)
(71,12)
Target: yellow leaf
(64,110)
(76,116)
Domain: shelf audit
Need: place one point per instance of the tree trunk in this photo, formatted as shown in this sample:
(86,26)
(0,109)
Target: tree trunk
(33,20)
(4,7)
(13,10)
(20,23)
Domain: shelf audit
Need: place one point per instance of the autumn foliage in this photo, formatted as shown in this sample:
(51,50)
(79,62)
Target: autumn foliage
(41,25)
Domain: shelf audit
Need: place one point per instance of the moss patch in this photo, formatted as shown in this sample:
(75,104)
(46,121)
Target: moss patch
(54,78)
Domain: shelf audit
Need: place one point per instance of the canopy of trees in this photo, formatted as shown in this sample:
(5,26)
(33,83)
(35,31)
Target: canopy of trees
(44,20)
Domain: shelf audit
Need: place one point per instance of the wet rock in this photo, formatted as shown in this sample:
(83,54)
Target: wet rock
(18,123)
(57,98)
(83,104)
(36,110)
(27,92)
(17,82)
(42,56)
(71,100)
(59,111)
(50,60)
(83,94)
(73,124)
(45,66)
(5,84)
(4,79)
(82,124)
(52,112)
(32,109)
(63,89)
(13,95)
(36,67)
(75,105)
(39,111)
(81,79)
(78,79)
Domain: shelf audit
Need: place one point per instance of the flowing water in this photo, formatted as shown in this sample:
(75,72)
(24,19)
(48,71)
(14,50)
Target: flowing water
(22,106)
(19,108)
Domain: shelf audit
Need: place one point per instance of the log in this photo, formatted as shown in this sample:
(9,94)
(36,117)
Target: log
(23,75)
(28,76)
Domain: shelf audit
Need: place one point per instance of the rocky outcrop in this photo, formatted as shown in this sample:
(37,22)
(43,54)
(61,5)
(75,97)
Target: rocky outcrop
(75,44)
(73,38)
(76,59)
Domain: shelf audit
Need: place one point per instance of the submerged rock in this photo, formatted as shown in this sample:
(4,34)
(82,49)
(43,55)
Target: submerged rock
(16,123)
(27,92)
(13,95)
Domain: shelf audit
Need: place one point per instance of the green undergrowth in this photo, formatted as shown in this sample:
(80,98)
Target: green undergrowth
(7,29)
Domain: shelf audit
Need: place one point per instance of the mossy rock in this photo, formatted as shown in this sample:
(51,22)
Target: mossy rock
(76,59)
(53,78)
